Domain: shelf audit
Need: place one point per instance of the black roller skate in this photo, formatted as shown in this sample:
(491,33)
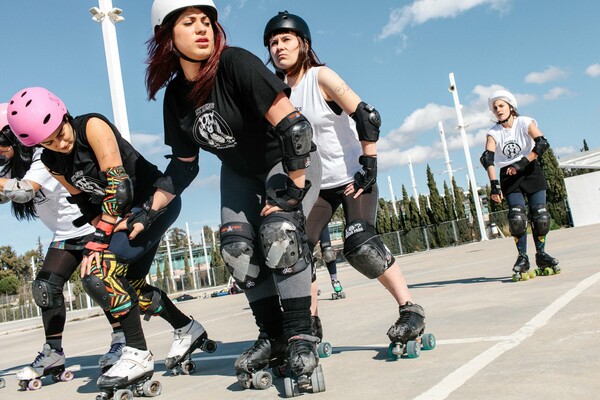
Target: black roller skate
(264,353)
(406,335)
(130,377)
(337,290)
(185,341)
(48,362)
(546,264)
(324,349)
(304,372)
(521,269)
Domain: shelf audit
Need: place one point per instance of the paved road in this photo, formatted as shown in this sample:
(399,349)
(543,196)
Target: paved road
(497,339)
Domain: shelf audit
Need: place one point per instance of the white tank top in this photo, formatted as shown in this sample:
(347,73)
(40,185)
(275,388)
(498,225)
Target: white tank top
(335,135)
(512,143)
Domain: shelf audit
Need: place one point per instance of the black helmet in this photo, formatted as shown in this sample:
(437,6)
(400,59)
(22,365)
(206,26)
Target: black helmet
(285,21)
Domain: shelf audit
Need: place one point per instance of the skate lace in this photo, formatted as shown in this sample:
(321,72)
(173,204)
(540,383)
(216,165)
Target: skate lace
(41,355)
(257,346)
(116,347)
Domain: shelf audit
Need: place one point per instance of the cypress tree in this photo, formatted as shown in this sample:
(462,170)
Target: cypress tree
(438,214)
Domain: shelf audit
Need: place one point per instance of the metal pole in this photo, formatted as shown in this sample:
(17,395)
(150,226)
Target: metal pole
(395,212)
(463,134)
(170,261)
(206,259)
(189,240)
(113,62)
(446,156)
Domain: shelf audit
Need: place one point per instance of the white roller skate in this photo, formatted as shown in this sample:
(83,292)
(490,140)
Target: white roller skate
(185,341)
(130,376)
(114,353)
(47,362)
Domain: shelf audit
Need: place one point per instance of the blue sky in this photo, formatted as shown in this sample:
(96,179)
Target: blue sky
(395,54)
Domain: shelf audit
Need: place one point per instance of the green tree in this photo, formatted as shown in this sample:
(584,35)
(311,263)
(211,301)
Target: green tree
(459,200)
(9,284)
(383,217)
(557,192)
(448,204)
(436,204)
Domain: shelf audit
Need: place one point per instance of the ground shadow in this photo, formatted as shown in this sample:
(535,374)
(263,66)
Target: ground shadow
(464,281)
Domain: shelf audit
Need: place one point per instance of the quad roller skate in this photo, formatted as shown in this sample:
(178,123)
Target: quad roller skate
(48,362)
(521,269)
(406,335)
(324,349)
(304,373)
(185,341)
(337,290)
(546,264)
(250,365)
(114,353)
(130,376)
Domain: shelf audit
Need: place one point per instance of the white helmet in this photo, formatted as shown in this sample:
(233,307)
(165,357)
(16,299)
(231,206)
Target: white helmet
(161,9)
(502,95)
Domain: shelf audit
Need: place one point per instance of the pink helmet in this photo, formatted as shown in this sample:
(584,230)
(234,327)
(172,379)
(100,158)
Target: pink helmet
(34,114)
(3,120)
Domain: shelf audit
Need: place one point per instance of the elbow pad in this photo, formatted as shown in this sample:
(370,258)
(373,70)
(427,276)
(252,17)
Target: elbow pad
(541,145)
(118,193)
(19,191)
(295,140)
(368,122)
(487,159)
(178,176)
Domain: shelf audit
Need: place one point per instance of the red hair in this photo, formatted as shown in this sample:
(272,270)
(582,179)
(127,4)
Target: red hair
(163,60)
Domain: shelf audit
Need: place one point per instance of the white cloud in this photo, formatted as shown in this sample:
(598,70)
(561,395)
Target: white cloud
(556,93)
(593,70)
(421,11)
(552,73)
(565,151)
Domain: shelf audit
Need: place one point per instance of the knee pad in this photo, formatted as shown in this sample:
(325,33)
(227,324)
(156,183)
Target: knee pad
(517,221)
(284,242)
(149,298)
(328,254)
(540,220)
(47,290)
(237,250)
(365,251)
(107,286)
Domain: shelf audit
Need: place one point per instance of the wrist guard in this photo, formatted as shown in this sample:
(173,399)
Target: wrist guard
(101,238)
(495,187)
(521,164)
(366,178)
(145,216)
(290,198)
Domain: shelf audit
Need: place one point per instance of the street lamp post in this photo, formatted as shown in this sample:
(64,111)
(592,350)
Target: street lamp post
(108,16)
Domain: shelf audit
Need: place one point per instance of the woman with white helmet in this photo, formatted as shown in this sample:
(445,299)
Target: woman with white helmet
(111,182)
(515,145)
(225,101)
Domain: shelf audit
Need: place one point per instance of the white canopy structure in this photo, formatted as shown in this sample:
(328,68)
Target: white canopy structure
(588,159)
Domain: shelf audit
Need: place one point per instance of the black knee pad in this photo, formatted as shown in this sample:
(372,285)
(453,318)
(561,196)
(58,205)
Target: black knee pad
(47,290)
(237,250)
(284,242)
(517,221)
(365,251)
(540,220)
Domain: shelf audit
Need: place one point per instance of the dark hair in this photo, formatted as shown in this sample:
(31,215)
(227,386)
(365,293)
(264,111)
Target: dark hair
(307,57)
(163,60)
(17,166)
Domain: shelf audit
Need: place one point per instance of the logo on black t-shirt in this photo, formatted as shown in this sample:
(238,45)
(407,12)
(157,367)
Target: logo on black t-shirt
(210,129)
(511,149)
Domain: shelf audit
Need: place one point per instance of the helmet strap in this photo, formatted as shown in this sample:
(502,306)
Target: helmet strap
(181,55)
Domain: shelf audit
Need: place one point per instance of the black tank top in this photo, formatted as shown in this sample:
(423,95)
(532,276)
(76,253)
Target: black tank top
(81,169)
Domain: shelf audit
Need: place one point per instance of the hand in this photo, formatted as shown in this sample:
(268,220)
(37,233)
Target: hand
(95,248)
(365,179)
(518,166)
(496,191)
(140,219)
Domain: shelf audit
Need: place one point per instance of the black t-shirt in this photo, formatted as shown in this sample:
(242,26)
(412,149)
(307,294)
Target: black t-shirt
(81,169)
(231,122)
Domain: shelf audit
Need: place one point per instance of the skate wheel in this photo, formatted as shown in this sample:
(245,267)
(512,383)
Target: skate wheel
(102,396)
(324,349)
(394,351)
(516,277)
(525,276)
(342,295)
(548,271)
(245,380)
(151,388)
(317,380)
(413,349)
(34,384)
(174,371)
(279,370)
(67,376)
(188,367)
(123,394)
(209,346)
(428,341)
(262,380)
(532,274)
(556,269)
(291,387)
(333,296)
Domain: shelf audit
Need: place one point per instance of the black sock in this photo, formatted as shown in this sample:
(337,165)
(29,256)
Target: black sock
(55,342)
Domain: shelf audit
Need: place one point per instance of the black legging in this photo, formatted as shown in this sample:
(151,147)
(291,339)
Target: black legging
(63,263)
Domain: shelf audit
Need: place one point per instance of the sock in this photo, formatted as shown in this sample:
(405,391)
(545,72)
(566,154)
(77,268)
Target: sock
(55,342)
